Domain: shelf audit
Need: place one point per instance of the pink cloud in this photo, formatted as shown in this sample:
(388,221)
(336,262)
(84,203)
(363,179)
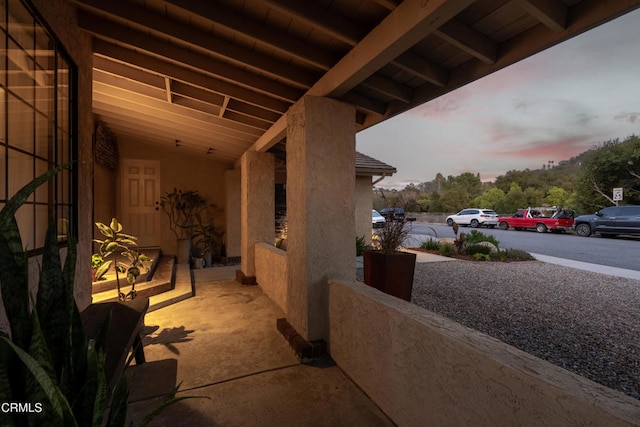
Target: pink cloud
(443,107)
(562,149)
(629,117)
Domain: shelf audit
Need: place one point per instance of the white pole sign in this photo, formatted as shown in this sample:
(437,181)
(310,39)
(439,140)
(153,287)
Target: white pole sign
(617,194)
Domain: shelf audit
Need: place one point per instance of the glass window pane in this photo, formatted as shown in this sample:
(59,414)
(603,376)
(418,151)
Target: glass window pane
(41,224)
(20,124)
(24,218)
(43,136)
(3,14)
(20,171)
(42,192)
(20,24)
(20,72)
(3,117)
(3,173)
(3,60)
(63,187)
(63,222)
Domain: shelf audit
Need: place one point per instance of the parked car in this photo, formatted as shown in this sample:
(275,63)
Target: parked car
(396,214)
(555,219)
(609,222)
(377,220)
(474,217)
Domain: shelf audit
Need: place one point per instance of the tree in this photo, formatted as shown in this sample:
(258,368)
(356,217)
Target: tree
(492,198)
(557,196)
(608,166)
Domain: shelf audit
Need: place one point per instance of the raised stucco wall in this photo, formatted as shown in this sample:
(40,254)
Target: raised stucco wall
(257,211)
(182,170)
(271,272)
(423,369)
(364,201)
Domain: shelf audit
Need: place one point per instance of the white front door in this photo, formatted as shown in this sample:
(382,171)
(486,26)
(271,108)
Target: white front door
(140,200)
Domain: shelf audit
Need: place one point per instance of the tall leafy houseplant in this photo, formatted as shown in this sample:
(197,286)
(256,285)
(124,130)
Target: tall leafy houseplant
(47,364)
(386,267)
(183,208)
(116,242)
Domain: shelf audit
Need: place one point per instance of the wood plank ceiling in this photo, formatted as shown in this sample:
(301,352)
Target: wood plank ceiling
(217,77)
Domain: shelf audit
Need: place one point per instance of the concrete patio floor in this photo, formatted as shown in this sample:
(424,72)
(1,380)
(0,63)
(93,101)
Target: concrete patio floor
(223,345)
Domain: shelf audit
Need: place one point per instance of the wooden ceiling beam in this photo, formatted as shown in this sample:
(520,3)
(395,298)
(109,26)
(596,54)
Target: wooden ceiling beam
(409,23)
(164,68)
(163,26)
(320,18)
(468,40)
(415,64)
(105,29)
(551,13)
(389,88)
(258,32)
(176,113)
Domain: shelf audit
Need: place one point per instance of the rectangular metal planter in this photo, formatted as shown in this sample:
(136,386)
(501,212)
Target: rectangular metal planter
(391,274)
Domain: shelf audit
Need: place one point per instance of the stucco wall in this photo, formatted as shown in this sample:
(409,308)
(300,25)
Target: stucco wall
(233,206)
(364,200)
(423,369)
(271,272)
(182,170)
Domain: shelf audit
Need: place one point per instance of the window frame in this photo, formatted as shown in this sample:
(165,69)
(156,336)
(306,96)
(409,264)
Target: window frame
(45,135)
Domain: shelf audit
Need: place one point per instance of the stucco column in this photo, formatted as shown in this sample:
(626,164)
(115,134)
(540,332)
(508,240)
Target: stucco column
(364,203)
(320,208)
(232,185)
(257,212)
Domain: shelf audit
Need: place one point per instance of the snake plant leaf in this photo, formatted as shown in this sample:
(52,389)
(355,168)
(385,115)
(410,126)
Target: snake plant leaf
(118,411)
(6,393)
(52,305)
(23,194)
(61,411)
(168,401)
(14,282)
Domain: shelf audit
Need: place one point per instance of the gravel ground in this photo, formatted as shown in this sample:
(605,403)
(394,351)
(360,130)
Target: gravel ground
(585,322)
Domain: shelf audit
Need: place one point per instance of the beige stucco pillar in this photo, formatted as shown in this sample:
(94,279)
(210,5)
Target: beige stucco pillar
(257,211)
(320,208)
(233,206)
(364,202)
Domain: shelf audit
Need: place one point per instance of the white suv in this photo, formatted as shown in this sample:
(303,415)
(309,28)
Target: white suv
(474,217)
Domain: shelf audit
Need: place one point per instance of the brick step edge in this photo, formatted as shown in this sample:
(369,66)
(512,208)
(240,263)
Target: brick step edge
(305,351)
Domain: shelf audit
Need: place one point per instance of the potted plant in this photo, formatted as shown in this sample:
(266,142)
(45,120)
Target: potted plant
(96,263)
(183,208)
(386,267)
(208,239)
(115,241)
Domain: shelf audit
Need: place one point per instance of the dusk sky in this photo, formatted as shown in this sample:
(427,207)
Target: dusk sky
(551,106)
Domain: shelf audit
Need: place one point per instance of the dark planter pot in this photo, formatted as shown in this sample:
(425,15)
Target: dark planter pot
(391,274)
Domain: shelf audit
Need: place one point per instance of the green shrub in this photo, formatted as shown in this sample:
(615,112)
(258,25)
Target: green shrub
(446,249)
(360,245)
(478,249)
(430,245)
(482,257)
(517,255)
(476,236)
